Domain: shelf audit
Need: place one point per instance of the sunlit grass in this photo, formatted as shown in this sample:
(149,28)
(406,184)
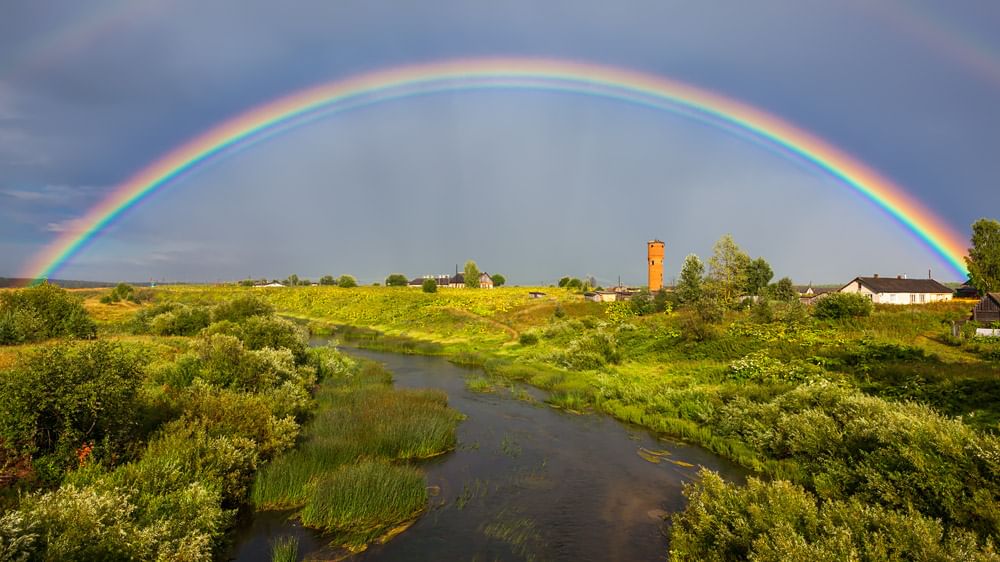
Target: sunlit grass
(285,549)
(359,503)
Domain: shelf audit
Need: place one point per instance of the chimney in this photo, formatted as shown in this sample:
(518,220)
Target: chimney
(929,274)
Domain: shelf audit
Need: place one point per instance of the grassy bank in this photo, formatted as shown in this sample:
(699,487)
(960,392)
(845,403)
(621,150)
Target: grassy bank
(135,432)
(886,410)
(348,477)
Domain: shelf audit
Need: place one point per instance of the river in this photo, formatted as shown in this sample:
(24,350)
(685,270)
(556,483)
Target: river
(527,482)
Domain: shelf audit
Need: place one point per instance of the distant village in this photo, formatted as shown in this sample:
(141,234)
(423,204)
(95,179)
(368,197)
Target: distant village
(896,290)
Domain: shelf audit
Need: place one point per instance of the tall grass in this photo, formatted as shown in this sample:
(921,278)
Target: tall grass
(285,549)
(359,503)
(341,475)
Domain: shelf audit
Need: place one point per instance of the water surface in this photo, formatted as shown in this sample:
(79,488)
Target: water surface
(527,482)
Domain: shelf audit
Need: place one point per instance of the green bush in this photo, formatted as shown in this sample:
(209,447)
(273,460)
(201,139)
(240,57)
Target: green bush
(176,320)
(836,306)
(241,308)
(778,521)
(527,338)
(429,286)
(64,398)
(260,332)
(41,312)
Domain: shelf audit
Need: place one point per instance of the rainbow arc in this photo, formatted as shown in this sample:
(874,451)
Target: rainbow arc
(300,108)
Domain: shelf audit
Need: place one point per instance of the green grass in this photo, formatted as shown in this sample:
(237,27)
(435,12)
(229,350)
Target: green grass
(285,549)
(359,503)
(346,474)
(479,384)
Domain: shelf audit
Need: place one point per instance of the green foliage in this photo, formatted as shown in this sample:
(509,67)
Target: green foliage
(728,268)
(527,338)
(471,273)
(347,282)
(589,351)
(122,292)
(574,283)
(429,286)
(758,275)
(983,260)
(285,549)
(241,308)
(642,303)
(563,281)
(837,306)
(777,521)
(498,280)
(41,312)
(689,286)
(67,397)
(172,319)
(292,280)
(359,503)
(327,280)
(784,290)
(260,332)
(396,280)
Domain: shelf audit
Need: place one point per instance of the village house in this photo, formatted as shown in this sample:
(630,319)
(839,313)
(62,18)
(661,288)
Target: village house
(967,291)
(809,294)
(987,309)
(898,290)
(456,281)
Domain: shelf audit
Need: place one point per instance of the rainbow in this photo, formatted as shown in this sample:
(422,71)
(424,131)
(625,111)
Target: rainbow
(275,117)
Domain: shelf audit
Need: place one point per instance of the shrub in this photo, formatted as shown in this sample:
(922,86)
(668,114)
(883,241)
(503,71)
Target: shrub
(41,312)
(178,320)
(347,281)
(835,306)
(396,280)
(527,338)
(241,308)
(68,396)
(429,286)
(123,292)
(777,521)
(260,332)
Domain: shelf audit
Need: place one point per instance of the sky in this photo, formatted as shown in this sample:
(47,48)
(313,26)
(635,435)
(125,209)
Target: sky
(532,185)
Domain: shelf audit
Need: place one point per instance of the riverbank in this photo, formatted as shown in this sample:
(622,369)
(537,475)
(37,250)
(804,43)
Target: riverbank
(851,410)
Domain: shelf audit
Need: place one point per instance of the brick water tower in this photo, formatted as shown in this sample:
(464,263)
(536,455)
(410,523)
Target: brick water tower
(654,257)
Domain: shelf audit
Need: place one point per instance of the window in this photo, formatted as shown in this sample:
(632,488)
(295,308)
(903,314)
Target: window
(913,298)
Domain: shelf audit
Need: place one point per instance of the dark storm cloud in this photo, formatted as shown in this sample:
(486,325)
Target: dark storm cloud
(93,108)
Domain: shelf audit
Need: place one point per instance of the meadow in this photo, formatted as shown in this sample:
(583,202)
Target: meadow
(872,437)
(876,430)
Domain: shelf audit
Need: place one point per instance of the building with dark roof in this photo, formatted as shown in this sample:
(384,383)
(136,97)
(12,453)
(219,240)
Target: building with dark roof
(898,290)
(987,309)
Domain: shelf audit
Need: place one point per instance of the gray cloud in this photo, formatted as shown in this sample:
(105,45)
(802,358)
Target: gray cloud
(561,184)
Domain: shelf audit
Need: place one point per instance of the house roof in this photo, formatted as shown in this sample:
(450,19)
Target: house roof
(900,285)
(457,278)
(995,297)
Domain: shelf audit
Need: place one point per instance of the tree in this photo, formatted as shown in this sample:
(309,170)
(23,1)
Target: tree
(783,290)
(759,274)
(574,283)
(642,303)
(563,281)
(835,306)
(347,281)
(498,280)
(984,256)
(728,267)
(327,280)
(429,286)
(689,286)
(396,280)
(471,275)
(293,280)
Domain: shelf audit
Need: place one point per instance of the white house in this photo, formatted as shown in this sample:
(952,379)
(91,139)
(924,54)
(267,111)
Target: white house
(898,290)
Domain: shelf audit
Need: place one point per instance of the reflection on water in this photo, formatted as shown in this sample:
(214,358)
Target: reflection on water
(527,482)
